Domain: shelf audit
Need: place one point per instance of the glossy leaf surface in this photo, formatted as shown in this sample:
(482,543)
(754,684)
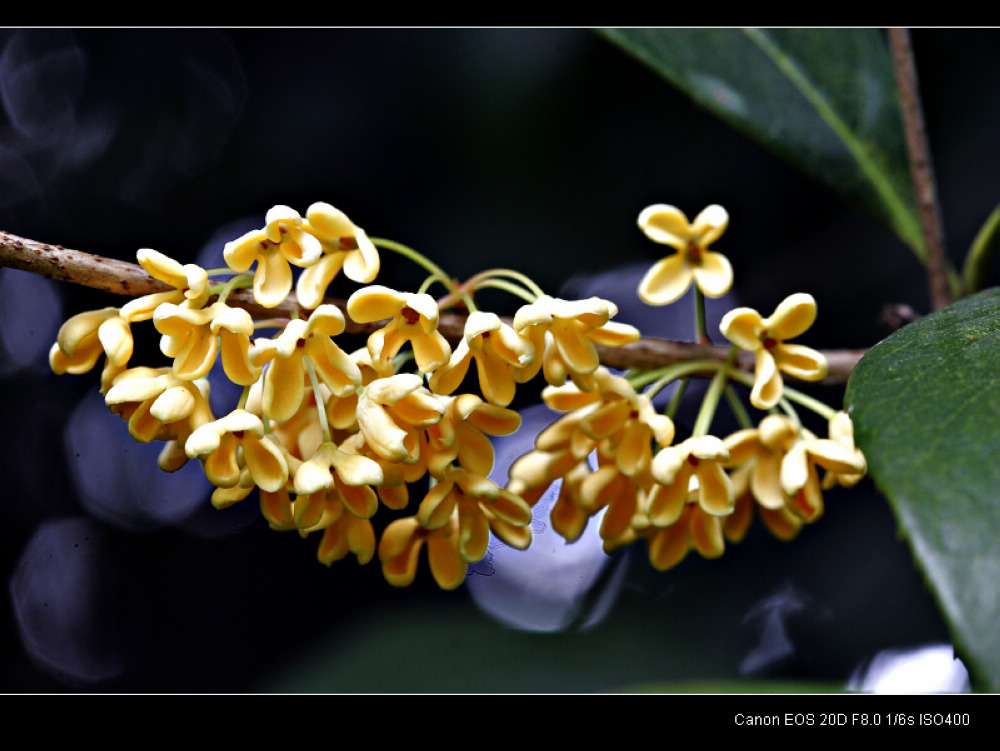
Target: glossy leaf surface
(926,408)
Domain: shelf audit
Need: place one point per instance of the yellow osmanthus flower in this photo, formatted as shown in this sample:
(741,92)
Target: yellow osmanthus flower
(800,469)
(694,529)
(344,530)
(157,405)
(85,337)
(498,352)
(606,488)
(400,546)
(228,445)
(841,430)
(759,452)
(349,476)
(694,464)
(396,476)
(413,318)
(668,279)
(766,338)
(462,434)
(194,338)
(781,522)
(345,246)
(477,501)
(190,283)
(345,533)
(393,411)
(615,412)
(531,474)
(342,411)
(565,332)
(286,375)
(282,242)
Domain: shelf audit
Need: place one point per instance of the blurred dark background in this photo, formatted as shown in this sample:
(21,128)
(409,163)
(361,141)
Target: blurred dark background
(528,148)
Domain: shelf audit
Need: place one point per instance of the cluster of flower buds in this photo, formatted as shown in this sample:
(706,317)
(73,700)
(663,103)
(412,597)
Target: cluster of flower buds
(329,436)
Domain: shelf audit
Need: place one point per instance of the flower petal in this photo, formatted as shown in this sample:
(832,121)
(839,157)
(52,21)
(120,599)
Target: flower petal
(742,326)
(241,253)
(374,303)
(666,225)
(174,404)
(793,316)
(715,490)
(714,275)
(313,282)
(801,361)
(709,225)
(362,265)
(669,546)
(430,350)
(447,566)
(399,551)
(265,461)
(765,481)
(666,281)
(768,385)
(706,534)
(667,501)
(613,334)
(272,281)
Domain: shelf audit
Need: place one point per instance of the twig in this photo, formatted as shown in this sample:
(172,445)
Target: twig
(124,278)
(921,168)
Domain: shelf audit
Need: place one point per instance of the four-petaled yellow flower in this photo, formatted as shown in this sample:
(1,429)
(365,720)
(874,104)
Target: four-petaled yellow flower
(800,467)
(345,246)
(565,334)
(190,283)
(194,337)
(158,405)
(668,279)
(462,434)
(477,501)
(85,337)
(413,318)
(400,546)
(759,452)
(228,445)
(498,352)
(766,338)
(286,375)
(393,411)
(694,464)
(281,242)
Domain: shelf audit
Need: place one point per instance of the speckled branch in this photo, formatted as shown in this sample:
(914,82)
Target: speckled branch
(129,279)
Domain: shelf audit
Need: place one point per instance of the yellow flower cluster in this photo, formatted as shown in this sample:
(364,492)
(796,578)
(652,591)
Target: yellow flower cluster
(330,434)
(612,452)
(327,435)
(703,491)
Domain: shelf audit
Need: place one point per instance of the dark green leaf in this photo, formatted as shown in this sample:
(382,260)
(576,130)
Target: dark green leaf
(825,99)
(926,408)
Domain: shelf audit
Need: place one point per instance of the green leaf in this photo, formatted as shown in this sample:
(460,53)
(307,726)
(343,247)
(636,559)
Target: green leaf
(925,403)
(824,99)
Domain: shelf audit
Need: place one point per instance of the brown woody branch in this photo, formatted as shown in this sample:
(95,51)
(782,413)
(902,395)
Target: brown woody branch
(921,168)
(124,278)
